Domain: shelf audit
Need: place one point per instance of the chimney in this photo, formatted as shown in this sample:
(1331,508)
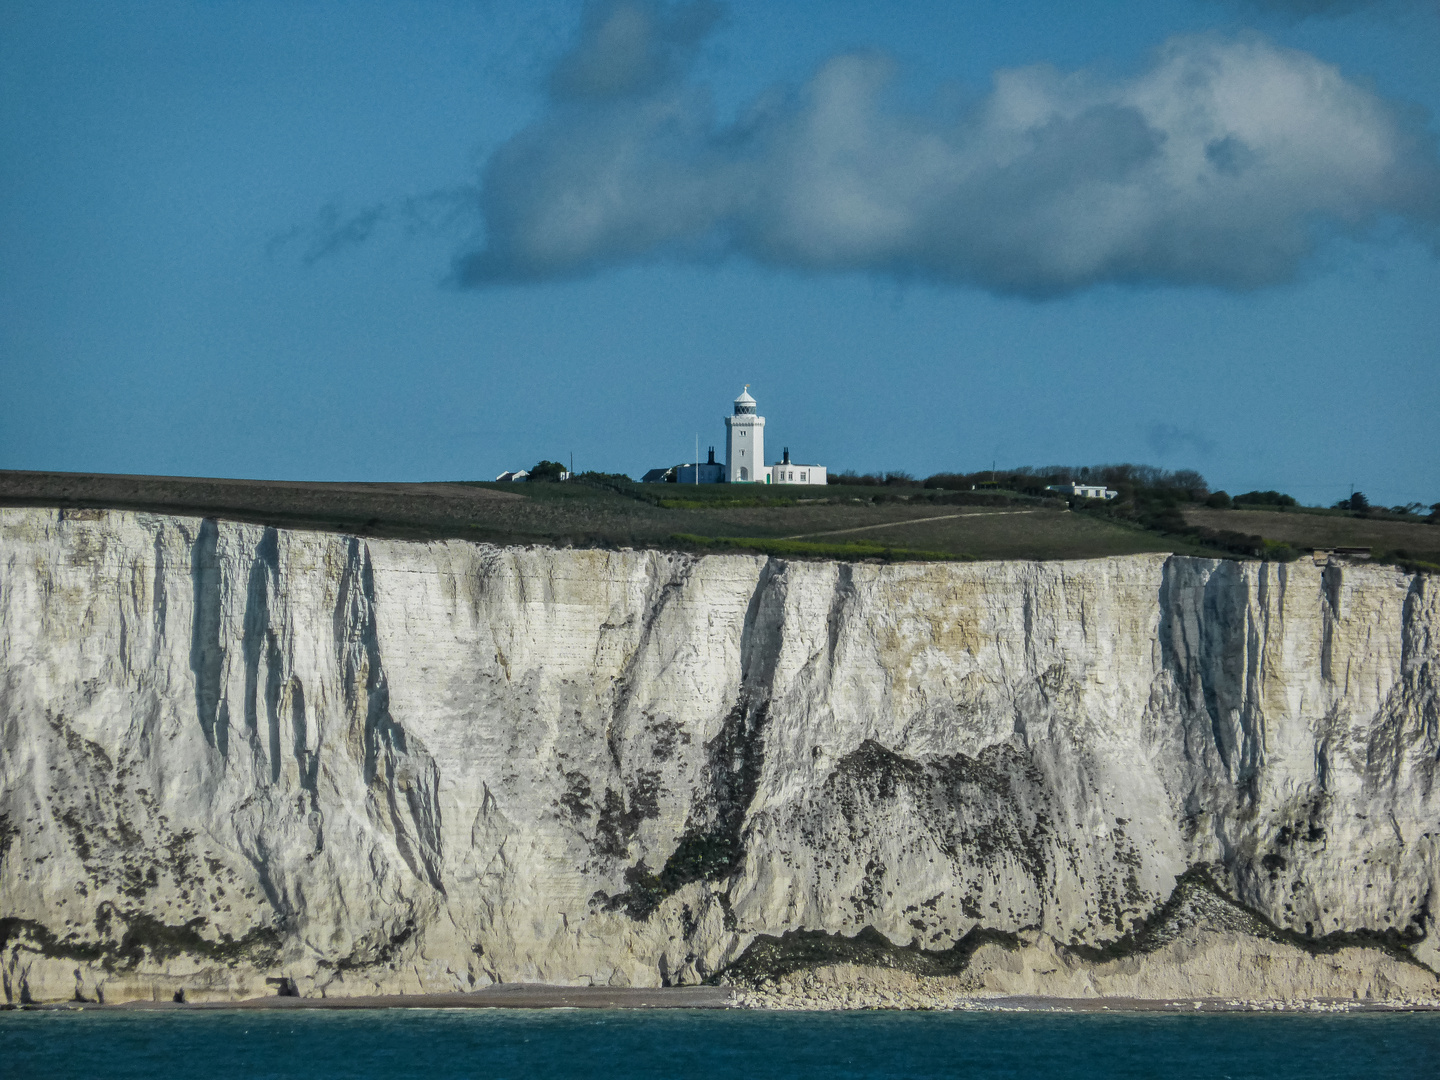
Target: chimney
(712,456)
(787,457)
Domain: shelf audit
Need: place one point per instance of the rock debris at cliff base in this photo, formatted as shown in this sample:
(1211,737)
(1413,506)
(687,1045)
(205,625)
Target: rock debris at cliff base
(235,760)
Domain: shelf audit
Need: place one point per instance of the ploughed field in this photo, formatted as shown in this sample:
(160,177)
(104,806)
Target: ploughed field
(834,522)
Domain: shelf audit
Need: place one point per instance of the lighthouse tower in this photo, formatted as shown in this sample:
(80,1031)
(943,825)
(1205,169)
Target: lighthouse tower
(745,442)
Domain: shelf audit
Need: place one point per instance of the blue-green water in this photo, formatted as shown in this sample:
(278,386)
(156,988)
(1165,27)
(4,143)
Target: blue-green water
(494,1044)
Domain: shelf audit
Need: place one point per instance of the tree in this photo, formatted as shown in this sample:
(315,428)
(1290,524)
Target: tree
(1191,482)
(898,478)
(550,471)
(1218,501)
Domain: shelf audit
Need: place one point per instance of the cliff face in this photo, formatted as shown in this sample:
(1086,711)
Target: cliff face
(229,754)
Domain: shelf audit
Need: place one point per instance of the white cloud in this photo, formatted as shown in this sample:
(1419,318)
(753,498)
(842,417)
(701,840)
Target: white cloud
(1224,164)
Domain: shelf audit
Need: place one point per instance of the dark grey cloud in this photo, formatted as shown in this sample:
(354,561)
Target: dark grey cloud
(631,47)
(330,232)
(334,230)
(1166,440)
(1224,164)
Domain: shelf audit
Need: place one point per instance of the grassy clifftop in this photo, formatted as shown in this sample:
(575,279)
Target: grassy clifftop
(834,522)
(841,521)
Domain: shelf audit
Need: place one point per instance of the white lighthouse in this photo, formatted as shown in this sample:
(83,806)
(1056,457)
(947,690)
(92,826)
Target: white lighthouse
(745,442)
(744,457)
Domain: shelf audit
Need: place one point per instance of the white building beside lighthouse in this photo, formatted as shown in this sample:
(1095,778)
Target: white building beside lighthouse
(786,471)
(744,442)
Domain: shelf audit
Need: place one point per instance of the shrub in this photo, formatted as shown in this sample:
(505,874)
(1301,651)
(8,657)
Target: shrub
(950,481)
(1278,551)
(893,478)
(1265,498)
(1218,501)
(898,479)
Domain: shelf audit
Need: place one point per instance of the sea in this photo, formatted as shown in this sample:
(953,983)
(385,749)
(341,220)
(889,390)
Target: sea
(497,1044)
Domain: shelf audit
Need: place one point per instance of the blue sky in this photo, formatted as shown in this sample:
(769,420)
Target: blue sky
(435,240)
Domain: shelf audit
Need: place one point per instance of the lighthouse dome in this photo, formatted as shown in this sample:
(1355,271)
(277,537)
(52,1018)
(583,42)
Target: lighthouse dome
(744,403)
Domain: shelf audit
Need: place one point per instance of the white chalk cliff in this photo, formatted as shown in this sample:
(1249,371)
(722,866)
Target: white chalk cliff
(231,754)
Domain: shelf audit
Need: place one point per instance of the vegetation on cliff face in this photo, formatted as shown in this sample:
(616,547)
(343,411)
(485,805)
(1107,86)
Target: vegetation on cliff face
(1197,902)
(770,957)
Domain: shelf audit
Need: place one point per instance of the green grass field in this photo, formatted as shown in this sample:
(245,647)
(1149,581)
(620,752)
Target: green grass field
(1414,541)
(839,522)
(834,522)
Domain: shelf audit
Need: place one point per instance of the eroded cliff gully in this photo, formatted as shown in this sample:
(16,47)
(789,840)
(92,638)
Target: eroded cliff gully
(234,759)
